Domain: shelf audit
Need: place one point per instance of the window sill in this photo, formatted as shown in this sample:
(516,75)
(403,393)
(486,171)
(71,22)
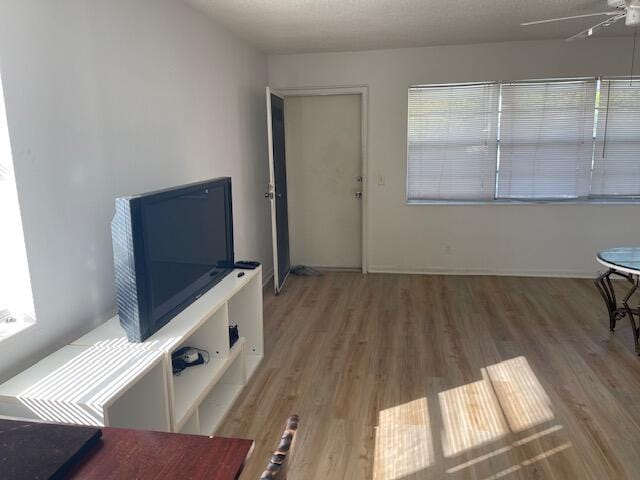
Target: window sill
(9,329)
(522,202)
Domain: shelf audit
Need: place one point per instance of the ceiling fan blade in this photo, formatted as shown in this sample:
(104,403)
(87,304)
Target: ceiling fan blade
(571,18)
(590,31)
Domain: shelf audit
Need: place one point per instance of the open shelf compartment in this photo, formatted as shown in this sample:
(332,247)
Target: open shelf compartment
(216,404)
(192,384)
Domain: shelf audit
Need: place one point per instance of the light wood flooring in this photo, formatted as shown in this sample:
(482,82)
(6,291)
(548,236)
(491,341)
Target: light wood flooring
(444,377)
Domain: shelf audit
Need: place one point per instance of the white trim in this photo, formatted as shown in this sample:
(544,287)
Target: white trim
(482,272)
(362,90)
(522,202)
(8,330)
(267,277)
(329,268)
(284,282)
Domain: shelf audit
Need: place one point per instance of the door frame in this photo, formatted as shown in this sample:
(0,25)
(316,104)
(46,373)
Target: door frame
(363,91)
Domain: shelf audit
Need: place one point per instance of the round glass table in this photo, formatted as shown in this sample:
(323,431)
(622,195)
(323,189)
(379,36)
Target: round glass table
(621,262)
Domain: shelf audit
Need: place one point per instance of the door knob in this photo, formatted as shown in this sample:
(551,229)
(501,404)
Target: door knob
(358,194)
(268,195)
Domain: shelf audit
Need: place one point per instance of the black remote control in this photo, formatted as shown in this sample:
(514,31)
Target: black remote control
(247,265)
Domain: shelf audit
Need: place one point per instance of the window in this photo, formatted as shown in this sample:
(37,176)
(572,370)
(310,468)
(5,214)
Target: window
(529,140)
(616,162)
(452,142)
(546,139)
(16,302)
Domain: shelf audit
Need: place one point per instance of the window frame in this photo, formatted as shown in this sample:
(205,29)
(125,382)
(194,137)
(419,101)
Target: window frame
(588,200)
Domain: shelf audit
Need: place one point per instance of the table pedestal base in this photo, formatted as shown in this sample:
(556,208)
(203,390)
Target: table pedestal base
(616,312)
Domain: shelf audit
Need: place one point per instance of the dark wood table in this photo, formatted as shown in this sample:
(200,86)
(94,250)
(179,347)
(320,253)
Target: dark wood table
(134,454)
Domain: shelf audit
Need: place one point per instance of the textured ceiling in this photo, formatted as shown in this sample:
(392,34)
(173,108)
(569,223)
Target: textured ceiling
(288,26)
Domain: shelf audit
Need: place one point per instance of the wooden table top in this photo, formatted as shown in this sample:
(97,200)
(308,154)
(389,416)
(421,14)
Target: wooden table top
(140,455)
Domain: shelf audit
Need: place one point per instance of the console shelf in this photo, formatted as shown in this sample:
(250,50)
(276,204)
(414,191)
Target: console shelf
(132,385)
(92,386)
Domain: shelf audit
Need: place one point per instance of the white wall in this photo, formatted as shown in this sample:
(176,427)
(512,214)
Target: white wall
(506,239)
(112,98)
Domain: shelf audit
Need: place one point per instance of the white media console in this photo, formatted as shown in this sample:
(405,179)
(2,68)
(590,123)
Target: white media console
(103,379)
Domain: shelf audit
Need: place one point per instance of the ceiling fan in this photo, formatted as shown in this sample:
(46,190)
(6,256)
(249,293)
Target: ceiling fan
(627,9)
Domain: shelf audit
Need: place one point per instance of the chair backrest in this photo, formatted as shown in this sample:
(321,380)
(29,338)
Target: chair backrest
(277,466)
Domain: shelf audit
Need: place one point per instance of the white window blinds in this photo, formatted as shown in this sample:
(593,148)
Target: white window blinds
(546,139)
(451,148)
(616,162)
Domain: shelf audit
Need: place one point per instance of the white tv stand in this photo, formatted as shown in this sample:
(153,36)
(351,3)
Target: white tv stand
(103,379)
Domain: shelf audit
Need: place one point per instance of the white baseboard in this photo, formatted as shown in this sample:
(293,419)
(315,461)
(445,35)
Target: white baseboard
(482,271)
(267,276)
(335,269)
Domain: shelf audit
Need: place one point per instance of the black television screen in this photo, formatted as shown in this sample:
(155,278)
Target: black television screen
(181,244)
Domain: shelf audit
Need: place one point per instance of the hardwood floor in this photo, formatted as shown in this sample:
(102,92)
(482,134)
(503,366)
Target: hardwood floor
(444,377)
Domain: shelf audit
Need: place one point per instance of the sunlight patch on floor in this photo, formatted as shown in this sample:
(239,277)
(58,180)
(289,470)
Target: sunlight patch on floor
(480,459)
(471,417)
(508,400)
(529,461)
(522,398)
(403,441)
(508,448)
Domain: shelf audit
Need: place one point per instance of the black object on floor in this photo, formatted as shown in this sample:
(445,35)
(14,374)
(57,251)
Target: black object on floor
(40,451)
(304,271)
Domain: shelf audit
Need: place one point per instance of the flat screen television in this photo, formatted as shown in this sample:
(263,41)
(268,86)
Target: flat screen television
(170,246)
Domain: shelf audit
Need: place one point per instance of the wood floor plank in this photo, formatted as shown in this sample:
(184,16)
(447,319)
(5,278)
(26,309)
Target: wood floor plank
(403,377)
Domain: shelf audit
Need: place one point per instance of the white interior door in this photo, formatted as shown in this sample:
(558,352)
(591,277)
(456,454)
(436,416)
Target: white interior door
(324,177)
(277,193)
